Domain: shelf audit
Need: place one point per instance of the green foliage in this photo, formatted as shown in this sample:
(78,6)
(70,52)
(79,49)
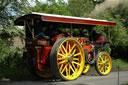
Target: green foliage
(3,50)
(11,32)
(12,65)
(9,8)
(52,7)
(117,36)
(80,8)
(107,49)
(119,62)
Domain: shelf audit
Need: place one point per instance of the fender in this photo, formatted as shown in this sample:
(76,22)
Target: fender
(90,57)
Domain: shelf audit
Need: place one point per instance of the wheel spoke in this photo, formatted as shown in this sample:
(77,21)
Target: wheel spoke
(64,49)
(102,69)
(77,54)
(73,51)
(76,59)
(69,49)
(61,55)
(101,58)
(64,68)
(63,58)
(107,64)
(99,66)
(61,62)
(75,63)
(67,45)
(73,47)
(73,66)
(104,58)
(61,67)
(69,68)
(72,69)
(100,63)
(106,67)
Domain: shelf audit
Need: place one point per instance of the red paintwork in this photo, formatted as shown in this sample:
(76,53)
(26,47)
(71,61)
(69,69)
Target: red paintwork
(42,55)
(89,47)
(46,51)
(39,54)
(55,38)
(77,21)
(81,40)
(64,19)
(40,42)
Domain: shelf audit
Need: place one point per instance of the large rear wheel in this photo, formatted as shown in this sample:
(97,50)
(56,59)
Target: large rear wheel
(103,63)
(67,59)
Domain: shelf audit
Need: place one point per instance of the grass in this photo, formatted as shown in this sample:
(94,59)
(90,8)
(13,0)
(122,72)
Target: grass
(123,64)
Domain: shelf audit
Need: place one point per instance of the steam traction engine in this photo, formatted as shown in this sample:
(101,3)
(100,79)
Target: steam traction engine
(63,46)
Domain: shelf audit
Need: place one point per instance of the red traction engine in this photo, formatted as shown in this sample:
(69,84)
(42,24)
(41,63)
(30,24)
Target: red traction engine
(63,46)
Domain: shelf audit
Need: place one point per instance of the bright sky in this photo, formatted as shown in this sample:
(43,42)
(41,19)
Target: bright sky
(42,1)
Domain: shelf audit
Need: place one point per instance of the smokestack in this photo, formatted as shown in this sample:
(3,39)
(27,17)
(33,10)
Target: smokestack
(108,4)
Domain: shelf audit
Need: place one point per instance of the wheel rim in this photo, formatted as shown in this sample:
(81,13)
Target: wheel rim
(104,63)
(70,59)
(86,68)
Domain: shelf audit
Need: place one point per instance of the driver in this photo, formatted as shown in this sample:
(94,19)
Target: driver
(52,30)
(38,26)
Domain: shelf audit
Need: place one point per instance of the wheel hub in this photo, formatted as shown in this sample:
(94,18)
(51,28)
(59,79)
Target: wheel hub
(70,58)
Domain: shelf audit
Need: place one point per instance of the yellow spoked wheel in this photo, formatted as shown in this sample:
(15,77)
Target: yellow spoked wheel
(67,59)
(103,63)
(86,68)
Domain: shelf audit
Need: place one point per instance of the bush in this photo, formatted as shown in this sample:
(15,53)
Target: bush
(12,64)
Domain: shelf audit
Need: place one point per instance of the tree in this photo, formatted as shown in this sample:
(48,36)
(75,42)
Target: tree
(8,10)
(117,36)
(80,8)
(51,7)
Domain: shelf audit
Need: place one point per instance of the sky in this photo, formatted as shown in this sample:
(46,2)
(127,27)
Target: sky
(42,1)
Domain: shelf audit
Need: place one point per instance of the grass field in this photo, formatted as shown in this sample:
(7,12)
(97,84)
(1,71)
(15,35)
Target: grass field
(122,64)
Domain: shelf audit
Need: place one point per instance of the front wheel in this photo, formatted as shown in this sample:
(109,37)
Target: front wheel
(86,68)
(67,59)
(103,63)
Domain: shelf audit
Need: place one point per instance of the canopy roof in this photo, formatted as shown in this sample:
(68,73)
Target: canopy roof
(63,19)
